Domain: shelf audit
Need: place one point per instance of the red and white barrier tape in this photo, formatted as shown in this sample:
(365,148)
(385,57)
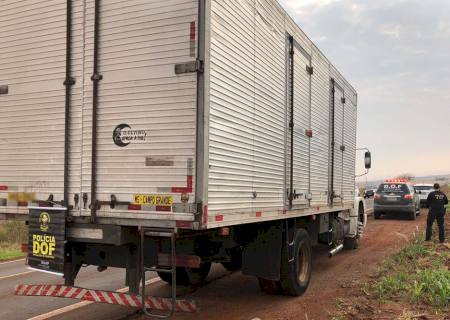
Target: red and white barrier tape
(110,297)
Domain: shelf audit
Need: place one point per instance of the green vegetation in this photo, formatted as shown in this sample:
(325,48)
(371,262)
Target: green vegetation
(413,284)
(418,274)
(10,252)
(12,235)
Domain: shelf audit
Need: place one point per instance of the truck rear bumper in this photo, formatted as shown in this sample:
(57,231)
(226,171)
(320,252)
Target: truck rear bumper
(108,297)
(393,209)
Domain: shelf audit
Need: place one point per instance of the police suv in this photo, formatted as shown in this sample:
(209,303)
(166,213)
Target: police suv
(396,196)
(423,190)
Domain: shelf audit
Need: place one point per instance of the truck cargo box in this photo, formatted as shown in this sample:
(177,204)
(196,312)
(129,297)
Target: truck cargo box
(187,113)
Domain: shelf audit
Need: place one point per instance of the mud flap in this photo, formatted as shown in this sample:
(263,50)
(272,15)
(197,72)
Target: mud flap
(262,256)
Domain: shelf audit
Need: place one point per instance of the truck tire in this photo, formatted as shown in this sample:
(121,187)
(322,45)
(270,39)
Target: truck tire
(413,215)
(377,214)
(188,276)
(270,286)
(295,275)
(235,263)
(166,277)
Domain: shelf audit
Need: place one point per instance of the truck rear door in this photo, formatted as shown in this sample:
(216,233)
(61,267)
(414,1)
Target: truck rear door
(140,157)
(300,109)
(338,143)
(34,78)
(141,153)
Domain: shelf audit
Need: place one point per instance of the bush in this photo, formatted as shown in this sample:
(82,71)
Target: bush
(13,232)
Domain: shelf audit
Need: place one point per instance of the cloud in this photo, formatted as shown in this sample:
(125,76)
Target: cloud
(391,30)
(396,54)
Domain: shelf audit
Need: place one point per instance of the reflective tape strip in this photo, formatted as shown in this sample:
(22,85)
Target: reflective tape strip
(109,297)
(47,290)
(18,289)
(80,294)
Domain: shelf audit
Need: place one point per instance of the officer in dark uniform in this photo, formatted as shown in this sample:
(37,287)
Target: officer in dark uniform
(436,201)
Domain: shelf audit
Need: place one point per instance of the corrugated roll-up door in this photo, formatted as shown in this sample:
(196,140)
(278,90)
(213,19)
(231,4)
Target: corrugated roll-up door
(270,108)
(301,156)
(232,100)
(320,142)
(350,119)
(146,127)
(338,144)
(32,124)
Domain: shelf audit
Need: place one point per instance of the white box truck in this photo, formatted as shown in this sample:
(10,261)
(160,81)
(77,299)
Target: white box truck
(214,125)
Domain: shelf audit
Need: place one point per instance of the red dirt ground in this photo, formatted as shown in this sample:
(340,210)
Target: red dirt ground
(234,296)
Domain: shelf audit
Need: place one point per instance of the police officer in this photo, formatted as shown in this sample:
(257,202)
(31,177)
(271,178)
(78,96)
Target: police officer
(436,202)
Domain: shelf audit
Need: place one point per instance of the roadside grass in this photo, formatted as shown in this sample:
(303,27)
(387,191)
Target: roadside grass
(12,235)
(10,252)
(417,274)
(412,284)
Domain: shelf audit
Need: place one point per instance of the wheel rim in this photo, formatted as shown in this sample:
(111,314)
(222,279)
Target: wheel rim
(302,264)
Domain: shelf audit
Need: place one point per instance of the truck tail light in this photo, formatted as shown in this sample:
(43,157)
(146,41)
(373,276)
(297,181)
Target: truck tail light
(408,197)
(377,196)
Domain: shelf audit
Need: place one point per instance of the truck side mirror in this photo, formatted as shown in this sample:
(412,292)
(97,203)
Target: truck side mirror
(368,160)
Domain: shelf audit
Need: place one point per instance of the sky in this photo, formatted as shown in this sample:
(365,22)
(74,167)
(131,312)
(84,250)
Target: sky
(396,53)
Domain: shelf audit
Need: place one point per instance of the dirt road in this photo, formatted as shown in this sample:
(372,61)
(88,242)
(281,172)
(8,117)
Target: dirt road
(238,297)
(234,296)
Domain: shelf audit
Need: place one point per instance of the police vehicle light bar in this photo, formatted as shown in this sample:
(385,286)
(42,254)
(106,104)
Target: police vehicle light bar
(396,180)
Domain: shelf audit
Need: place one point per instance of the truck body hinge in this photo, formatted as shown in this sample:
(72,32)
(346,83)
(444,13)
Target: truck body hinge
(69,81)
(189,67)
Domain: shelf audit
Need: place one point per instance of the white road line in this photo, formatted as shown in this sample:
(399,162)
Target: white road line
(81,304)
(16,275)
(7,262)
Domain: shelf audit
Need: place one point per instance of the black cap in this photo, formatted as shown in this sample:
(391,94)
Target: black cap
(436,186)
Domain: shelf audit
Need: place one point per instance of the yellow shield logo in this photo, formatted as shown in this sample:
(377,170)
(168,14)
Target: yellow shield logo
(44,220)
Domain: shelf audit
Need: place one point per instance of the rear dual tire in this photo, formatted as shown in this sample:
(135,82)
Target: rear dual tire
(188,276)
(235,262)
(295,275)
(270,286)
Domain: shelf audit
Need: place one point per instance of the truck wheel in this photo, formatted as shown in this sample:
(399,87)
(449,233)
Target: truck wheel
(413,215)
(296,274)
(188,276)
(351,243)
(270,286)
(166,277)
(377,215)
(235,262)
